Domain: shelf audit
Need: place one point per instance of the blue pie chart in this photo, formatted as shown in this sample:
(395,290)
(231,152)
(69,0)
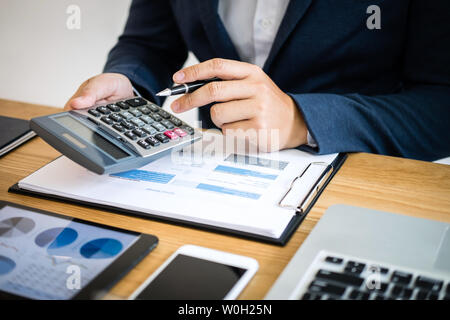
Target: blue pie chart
(102,248)
(56,238)
(6,265)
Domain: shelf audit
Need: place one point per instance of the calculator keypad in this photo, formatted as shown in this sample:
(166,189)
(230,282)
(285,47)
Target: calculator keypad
(95,113)
(113,107)
(161,137)
(103,110)
(130,135)
(141,123)
(107,120)
(115,117)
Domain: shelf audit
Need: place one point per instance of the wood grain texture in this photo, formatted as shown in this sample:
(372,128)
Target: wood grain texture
(404,186)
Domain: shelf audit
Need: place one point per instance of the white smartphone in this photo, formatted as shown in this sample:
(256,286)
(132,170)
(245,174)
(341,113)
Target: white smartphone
(194,272)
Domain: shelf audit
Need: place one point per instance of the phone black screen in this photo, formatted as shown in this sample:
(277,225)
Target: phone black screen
(187,278)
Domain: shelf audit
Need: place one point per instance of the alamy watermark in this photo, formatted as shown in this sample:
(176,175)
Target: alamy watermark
(253,142)
(373,280)
(374,20)
(73,281)
(73,21)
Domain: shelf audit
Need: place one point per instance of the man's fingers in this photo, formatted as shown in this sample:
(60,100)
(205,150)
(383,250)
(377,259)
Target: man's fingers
(228,112)
(220,68)
(254,139)
(88,94)
(216,91)
(80,102)
(243,130)
(105,87)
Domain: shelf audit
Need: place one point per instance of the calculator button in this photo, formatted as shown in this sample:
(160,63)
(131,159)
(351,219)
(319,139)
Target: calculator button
(147,119)
(113,107)
(164,114)
(144,110)
(176,121)
(162,138)
(136,102)
(126,115)
(154,142)
(144,144)
(115,117)
(171,135)
(131,135)
(136,113)
(137,122)
(123,105)
(156,117)
(188,129)
(154,107)
(180,132)
(103,110)
(140,133)
(167,124)
(127,125)
(95,113)
(118,127)
(158,126)
(107,120)
(149,129)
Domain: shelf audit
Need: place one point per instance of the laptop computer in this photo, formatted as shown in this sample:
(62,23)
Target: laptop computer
(355,253)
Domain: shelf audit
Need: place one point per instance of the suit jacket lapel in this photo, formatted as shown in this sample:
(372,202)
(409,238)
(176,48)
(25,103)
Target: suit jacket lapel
(215,30)
(294,12)
(221,42)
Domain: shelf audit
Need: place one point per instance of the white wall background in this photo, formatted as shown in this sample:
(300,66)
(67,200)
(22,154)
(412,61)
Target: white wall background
(42,61)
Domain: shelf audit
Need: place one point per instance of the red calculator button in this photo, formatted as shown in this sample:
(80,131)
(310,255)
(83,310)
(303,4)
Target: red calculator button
(180,132)
(170,134)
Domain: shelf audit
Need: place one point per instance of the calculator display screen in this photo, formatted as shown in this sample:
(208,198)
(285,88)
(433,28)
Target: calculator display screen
(91,136)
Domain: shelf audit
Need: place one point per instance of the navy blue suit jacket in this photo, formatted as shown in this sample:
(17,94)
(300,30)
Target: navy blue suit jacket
(383,91)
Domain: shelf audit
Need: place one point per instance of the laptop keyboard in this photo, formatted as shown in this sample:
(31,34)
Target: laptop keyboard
(338,277)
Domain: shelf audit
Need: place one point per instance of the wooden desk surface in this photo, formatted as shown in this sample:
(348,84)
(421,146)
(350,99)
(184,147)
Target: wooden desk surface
(409,187)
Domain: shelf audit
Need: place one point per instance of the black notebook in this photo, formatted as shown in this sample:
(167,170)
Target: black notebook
(13,132)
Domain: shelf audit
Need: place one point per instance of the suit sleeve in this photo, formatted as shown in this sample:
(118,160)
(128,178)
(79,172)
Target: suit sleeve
(412,123)
(150,49)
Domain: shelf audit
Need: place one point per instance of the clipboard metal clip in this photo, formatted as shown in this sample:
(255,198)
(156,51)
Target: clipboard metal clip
(305,187)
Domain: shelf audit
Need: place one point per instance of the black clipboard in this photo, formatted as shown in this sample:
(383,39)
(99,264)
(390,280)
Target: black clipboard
(302,209)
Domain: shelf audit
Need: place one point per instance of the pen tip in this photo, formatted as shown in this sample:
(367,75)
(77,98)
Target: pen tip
(164,93)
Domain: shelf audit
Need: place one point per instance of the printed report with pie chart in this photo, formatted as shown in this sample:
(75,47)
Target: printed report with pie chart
(39,252)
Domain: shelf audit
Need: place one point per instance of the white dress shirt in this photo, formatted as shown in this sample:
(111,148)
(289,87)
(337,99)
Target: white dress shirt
(252,26)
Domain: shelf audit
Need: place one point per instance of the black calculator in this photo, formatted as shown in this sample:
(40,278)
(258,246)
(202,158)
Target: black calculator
(115,137)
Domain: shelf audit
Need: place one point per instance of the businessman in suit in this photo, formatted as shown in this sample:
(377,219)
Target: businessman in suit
(318,71)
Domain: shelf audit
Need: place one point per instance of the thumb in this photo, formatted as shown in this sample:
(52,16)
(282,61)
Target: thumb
(89,93)
(81,102)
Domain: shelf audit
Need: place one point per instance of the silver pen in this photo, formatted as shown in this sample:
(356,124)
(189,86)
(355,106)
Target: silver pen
(185,87)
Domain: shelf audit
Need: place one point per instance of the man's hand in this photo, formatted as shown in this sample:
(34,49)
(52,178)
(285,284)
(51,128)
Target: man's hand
(248,100)
(100,89)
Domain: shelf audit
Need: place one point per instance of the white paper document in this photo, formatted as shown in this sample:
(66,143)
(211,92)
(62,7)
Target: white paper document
(228,190)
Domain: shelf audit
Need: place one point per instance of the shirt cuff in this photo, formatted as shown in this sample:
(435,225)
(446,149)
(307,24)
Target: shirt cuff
(136,92)
(311,142)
